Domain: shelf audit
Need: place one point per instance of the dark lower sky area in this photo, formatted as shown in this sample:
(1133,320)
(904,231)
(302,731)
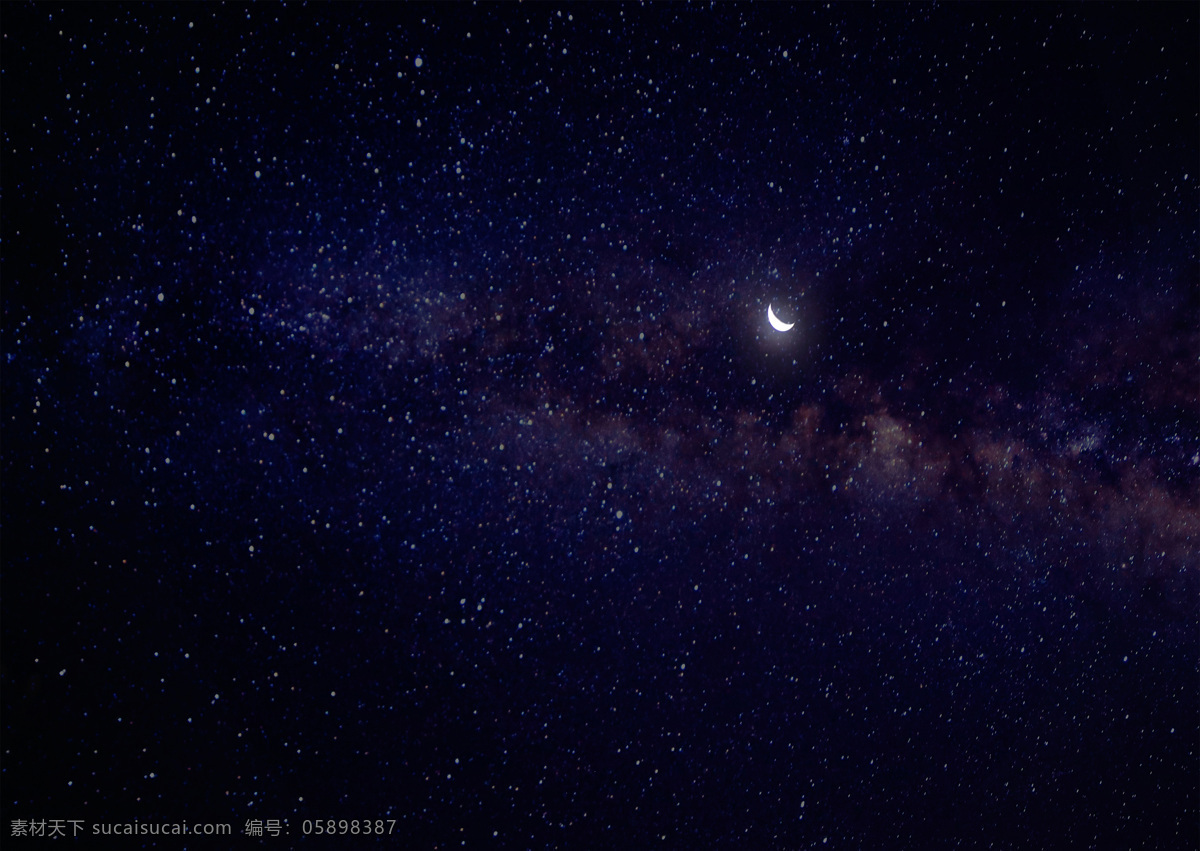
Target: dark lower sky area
(393,429)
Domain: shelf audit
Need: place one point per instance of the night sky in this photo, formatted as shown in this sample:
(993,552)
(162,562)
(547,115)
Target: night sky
(393,429)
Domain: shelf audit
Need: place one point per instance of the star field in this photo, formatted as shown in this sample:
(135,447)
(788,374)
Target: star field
(393,429)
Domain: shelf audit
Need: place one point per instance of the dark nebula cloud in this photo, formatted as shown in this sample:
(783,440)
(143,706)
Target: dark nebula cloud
(393,428)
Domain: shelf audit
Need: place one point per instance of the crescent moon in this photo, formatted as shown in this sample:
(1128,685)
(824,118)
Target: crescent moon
(775,321)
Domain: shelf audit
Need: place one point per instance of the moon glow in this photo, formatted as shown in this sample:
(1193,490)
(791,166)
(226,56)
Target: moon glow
(775,321)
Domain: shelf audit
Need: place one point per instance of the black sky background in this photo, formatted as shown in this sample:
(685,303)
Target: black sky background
(392,428)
